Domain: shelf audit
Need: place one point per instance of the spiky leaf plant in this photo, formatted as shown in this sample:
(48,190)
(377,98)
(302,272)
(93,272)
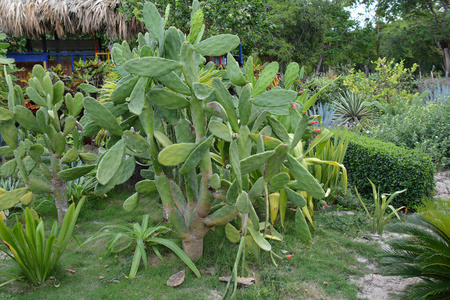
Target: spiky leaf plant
(350,108)
(425,252)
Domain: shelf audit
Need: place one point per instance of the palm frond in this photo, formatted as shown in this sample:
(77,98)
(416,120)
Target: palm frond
(424,252)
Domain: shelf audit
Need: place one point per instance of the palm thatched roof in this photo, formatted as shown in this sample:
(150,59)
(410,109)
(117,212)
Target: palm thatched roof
(32,18)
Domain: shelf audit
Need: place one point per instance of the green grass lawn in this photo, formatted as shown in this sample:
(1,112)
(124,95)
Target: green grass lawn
(320,271)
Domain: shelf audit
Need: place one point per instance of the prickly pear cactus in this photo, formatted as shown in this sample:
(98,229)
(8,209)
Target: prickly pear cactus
(49,155)
(213,154)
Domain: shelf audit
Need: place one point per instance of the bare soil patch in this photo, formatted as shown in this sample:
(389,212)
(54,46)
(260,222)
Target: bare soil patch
(375,286)
(442,184)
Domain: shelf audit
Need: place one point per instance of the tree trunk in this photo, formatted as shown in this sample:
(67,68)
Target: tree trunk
(193,247)
(446,53)
(321,59)
(444,47)
(319,64)
(60,195)
(378,38)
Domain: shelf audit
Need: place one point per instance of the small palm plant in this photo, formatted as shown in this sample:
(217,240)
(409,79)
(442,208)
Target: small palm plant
(425,253)
(350,108)
(142,236)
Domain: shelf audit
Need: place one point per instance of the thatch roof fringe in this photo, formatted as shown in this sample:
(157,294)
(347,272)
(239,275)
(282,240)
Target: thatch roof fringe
(32,18)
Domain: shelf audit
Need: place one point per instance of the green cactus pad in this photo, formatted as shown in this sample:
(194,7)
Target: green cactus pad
(175,154)
(110,162)
(151,66)
(217,45)
(102,116)
(74,173)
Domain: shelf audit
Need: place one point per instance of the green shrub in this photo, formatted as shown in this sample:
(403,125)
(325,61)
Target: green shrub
(332,92)
(424,127)
(389,81)
(391,168)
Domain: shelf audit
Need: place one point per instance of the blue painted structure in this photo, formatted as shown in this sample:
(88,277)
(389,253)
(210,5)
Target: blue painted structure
(44,57)
(222,60)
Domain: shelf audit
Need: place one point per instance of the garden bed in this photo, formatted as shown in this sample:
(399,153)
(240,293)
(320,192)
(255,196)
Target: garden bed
(328,269)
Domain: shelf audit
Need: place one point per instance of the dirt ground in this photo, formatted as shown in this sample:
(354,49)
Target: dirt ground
(378,287)
(442,184)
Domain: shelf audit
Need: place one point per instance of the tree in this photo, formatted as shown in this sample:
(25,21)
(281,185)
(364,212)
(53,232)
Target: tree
(309,31)
(431,17)
(338,35)
(298,30)
(405,40)
(246,19)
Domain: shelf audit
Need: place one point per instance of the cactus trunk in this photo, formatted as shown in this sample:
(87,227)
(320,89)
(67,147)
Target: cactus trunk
(193,247)
(60,195)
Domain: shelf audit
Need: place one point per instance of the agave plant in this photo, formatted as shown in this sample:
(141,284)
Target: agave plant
(425,253)
(350,107)
(439,94)
(325,113)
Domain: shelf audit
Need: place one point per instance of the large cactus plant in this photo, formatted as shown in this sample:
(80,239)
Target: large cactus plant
(178,113)
(49,156)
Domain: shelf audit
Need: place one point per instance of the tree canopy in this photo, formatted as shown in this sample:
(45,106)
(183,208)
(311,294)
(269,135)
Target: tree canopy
(428,19)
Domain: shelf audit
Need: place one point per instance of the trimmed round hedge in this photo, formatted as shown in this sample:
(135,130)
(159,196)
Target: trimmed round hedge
(391,168)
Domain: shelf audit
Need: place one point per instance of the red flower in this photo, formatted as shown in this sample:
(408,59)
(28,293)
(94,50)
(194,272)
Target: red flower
(318,130)
(314,122)
(294,106)
(289,256)
(301,92)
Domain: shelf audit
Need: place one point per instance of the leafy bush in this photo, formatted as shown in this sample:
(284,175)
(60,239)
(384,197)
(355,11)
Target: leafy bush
(332,92)
(89,71)
(393,168)
(425,252)
(424,127)
(389,81)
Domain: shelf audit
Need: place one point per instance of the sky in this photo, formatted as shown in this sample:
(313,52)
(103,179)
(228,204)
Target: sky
(360,13)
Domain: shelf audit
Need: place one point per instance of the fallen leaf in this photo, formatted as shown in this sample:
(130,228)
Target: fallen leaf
(176,279)
(240,280)
(101,277)
(113,281)
(71,271)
